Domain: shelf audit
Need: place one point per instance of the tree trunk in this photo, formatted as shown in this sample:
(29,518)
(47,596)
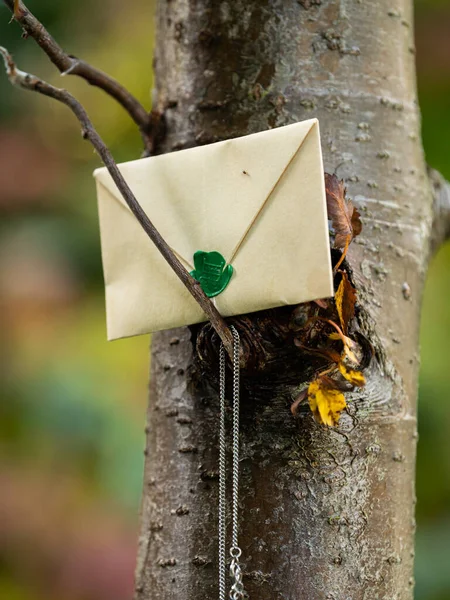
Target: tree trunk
(325,513)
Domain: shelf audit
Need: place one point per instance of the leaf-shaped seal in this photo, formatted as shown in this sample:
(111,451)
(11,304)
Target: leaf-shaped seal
(212,272)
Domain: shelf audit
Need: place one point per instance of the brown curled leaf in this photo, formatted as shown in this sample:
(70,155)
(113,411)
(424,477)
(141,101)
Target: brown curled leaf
(300,398)
(345,302)
(336,384)
(328,353)
(344,217)
(321,303)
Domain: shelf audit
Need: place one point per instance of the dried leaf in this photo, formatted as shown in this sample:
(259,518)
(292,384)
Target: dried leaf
(344,254)
(326,402)
(298,401)
(344,217)
(321,303)
(336,384)
(353,376)
(329,353)
(349,344)
(345,301)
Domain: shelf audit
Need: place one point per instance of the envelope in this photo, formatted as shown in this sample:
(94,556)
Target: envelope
(258,201)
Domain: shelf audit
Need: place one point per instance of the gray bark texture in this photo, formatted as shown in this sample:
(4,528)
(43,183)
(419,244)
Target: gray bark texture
(325,513)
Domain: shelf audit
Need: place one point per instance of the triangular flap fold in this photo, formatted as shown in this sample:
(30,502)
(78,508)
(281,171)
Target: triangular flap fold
(204,198)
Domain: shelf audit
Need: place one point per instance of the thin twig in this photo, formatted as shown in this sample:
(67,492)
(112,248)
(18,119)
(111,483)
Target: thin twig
(30,82)
(70,65)
(440,231)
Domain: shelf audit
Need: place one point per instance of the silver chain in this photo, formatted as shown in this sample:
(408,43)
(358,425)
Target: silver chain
(222,483)
(237,591)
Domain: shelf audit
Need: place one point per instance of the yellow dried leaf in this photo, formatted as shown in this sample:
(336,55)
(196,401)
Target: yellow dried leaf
(354,377)
(349,346)
(325,402)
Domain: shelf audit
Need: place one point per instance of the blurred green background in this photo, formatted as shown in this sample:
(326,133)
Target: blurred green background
(72,410)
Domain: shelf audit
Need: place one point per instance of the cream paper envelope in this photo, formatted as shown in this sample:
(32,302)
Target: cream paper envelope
(268,184)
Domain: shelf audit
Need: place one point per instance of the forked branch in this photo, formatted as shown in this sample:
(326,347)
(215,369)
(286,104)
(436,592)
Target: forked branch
(30,82)
(70,65)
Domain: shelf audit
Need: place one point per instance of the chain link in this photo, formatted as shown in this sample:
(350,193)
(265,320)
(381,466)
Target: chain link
(237,591)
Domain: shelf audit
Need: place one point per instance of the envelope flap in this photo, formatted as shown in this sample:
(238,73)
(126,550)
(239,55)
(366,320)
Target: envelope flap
(205,197)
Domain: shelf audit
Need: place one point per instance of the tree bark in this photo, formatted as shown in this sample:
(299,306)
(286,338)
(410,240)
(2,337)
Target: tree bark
(325,513)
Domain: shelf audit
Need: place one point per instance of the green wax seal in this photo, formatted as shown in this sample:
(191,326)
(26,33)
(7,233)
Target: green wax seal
(211,272)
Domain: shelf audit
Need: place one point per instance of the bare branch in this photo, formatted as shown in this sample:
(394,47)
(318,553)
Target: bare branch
(30,82)
(440,231)
(70,65)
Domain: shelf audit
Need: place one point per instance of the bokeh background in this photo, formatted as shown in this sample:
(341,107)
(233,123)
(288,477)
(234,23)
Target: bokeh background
(72,406)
